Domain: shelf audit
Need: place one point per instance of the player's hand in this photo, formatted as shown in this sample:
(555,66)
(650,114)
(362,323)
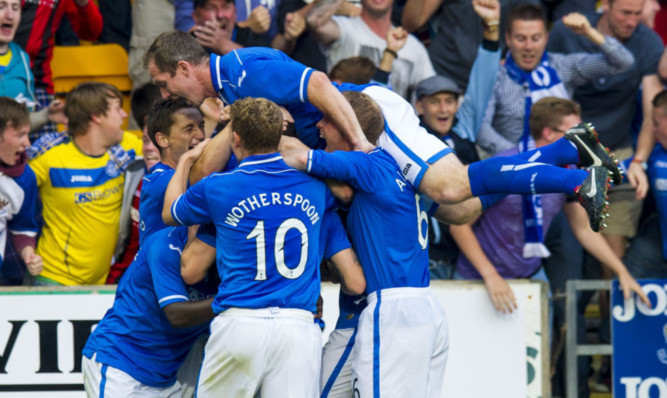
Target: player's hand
(33,262)
(56,112)
(295,24)
(194,153)
(396,38)
(287,117)
(629,285)
(259,20)
(348,9)
(637,178)
(488,10)
(501,294)
(211,108)
(320,308)
(211,35)
(225,112)
(364,146)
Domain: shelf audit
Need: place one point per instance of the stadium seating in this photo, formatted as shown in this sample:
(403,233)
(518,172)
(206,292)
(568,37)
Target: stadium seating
(107,63)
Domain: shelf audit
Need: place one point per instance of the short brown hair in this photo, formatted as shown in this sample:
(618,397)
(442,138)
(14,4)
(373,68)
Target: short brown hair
(12,114)
(368,114)
(526,12)
(259,124)
(355,70)
(171,47)
(161,117)
(660,100)
(87,100)
(549,112)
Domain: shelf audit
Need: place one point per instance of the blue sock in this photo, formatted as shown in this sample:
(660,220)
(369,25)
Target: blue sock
(514,175)
(559,153)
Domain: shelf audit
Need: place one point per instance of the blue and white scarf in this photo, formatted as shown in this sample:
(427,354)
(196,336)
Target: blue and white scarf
(541,82)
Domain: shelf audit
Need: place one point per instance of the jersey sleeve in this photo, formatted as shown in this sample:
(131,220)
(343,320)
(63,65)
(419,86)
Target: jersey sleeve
(86,20)
(354,168)
(192,207)
(333,236)
(24,222)
(165,265)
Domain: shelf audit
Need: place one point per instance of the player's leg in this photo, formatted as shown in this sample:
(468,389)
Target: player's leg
(440,352)
(580,146)
(336,375)
(293,366)
(188,373)
(101,380)
(396,344)
(234,357)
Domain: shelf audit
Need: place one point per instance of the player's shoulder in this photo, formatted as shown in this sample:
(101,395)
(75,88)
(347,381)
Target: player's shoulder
(166,243)
(27,179)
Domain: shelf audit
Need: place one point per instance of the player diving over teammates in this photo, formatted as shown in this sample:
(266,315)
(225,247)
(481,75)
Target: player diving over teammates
(425,161)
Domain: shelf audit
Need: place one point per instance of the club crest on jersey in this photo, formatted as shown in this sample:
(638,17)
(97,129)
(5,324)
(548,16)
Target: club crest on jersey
(111,169)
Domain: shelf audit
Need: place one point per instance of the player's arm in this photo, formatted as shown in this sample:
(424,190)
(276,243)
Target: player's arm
(185,314)
(296,155)
(651,86)
(500,292)
(598,247)
(198,256)
(171,290)
(215,156)
(338,250)
(179,181)
(325,97)
(349,272)
(320,23)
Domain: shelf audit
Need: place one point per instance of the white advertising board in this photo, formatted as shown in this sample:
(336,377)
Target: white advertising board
(42,332)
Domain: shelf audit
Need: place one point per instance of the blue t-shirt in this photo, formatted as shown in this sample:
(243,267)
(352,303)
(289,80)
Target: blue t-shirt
(151,201)
(271,215)
(388,220)
(135,335)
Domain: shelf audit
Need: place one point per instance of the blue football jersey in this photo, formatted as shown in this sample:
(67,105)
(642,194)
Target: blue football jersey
(135,335)
(151,201)
(267,217)
(388,219)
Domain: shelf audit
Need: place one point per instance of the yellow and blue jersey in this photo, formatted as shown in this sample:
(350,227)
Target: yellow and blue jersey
(82,197)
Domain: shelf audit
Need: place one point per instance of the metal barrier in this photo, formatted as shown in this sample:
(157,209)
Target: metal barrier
(572,349)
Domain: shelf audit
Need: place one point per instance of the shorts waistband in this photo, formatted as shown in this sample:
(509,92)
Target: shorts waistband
(398,292)
(271,312)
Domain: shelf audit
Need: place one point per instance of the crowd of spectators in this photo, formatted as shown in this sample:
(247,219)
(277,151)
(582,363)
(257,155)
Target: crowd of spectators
(72,209)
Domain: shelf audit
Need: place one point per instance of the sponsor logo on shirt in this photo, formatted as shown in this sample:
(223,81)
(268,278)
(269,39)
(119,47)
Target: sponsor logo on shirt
(92,196)
(81,178)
